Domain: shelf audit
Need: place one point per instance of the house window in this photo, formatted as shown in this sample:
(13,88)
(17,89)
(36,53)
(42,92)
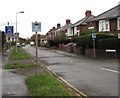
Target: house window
(118,23)
(75,30)
(104,25)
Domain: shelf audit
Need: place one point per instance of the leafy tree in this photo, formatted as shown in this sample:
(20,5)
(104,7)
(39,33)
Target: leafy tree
(33,37)
(60,36)
(88,31)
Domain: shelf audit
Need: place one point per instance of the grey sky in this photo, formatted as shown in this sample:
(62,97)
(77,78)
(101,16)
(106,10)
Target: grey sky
(48,12)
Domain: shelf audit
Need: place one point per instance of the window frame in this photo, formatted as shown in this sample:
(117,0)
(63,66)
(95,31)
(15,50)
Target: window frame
(118,23)
(103,24)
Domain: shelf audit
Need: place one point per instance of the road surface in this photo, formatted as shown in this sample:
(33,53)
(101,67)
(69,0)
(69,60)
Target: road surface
(90,76)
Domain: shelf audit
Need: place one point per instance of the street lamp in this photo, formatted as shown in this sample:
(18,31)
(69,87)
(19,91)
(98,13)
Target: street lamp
(16,28)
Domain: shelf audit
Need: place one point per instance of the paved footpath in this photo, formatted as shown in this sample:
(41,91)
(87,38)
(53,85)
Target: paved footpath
(12,84)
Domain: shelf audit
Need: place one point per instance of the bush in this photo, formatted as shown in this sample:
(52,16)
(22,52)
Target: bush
(56,42)
(111,43)
(74,39)
(87,41)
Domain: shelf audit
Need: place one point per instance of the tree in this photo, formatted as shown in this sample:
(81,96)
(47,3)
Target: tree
(33,38)
(60,36)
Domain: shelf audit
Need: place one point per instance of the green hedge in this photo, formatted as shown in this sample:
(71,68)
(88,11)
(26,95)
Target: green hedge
(111,43)
(56,42)
(87,41)
(74,39)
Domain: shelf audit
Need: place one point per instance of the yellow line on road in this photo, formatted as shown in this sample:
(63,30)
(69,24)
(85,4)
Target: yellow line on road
(60,78)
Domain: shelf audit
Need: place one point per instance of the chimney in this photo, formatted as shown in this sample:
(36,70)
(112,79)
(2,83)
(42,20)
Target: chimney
(53,28)
(88,13)
(58,25)
(67,21)
(50,29)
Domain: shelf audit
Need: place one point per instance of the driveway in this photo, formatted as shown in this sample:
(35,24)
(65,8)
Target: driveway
(91,76)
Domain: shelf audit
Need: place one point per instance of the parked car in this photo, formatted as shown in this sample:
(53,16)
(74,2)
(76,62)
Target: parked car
(70,44)
(23,44)
(32,43)
(18,45)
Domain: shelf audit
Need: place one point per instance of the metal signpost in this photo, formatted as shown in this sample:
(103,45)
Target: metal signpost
(16,35)
(36,27)
(9,31)
(94,36)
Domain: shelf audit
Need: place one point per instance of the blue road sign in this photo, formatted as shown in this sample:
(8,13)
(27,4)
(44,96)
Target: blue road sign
(93,35)
(36,26)
(9,29)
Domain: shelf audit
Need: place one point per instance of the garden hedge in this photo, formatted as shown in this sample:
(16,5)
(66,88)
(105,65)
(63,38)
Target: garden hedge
(56,42)
(111,43)
(87,41)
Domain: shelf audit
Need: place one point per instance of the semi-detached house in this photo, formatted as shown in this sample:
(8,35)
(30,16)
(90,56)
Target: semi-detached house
(107,22)
(51,35)
(80,25)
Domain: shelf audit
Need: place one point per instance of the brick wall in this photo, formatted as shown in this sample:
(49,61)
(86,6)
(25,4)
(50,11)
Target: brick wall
(93,24)
(113,26)
(75,50)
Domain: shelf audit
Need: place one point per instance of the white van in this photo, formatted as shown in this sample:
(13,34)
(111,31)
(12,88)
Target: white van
(32,43)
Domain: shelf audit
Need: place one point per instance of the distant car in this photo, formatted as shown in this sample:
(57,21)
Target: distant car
(32,43)
(23,44)
(18,45)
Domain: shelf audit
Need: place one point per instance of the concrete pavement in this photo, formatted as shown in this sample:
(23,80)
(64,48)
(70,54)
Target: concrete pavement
(12,84)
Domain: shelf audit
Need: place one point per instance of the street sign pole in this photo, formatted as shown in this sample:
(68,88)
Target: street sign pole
(36,27)
(10,39)
(36,54)
(94,53)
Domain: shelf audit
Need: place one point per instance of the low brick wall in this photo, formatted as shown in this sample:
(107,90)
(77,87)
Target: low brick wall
(88,52)
(60,46)
(75,50)
(98,52)
(65,49)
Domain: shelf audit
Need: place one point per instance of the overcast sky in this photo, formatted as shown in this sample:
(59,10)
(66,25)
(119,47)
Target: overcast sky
(48,12)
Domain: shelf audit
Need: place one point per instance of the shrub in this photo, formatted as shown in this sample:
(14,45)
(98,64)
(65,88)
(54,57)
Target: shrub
(87,41)
(111,43)
(88,31)
(56,42)
(74,39)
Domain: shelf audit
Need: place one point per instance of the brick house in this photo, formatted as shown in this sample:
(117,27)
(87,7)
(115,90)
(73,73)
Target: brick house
(52,33)
(107,22)
(64,28)
(80,25)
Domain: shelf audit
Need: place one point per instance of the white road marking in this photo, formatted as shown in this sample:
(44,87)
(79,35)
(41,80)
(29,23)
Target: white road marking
(110,70)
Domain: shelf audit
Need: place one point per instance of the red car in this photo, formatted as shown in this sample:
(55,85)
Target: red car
(72,44)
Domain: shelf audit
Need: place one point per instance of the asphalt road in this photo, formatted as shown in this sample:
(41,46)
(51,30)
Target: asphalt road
(92,77)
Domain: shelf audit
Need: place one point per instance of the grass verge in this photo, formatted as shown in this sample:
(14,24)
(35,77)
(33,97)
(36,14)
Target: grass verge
(20,55)
(17,65)
(46,85)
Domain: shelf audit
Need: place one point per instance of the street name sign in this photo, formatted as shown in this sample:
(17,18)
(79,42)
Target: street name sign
(16,35)
(36,26)
(9,29)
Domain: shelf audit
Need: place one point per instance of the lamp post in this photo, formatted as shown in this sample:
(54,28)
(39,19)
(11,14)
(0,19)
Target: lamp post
(16,28)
